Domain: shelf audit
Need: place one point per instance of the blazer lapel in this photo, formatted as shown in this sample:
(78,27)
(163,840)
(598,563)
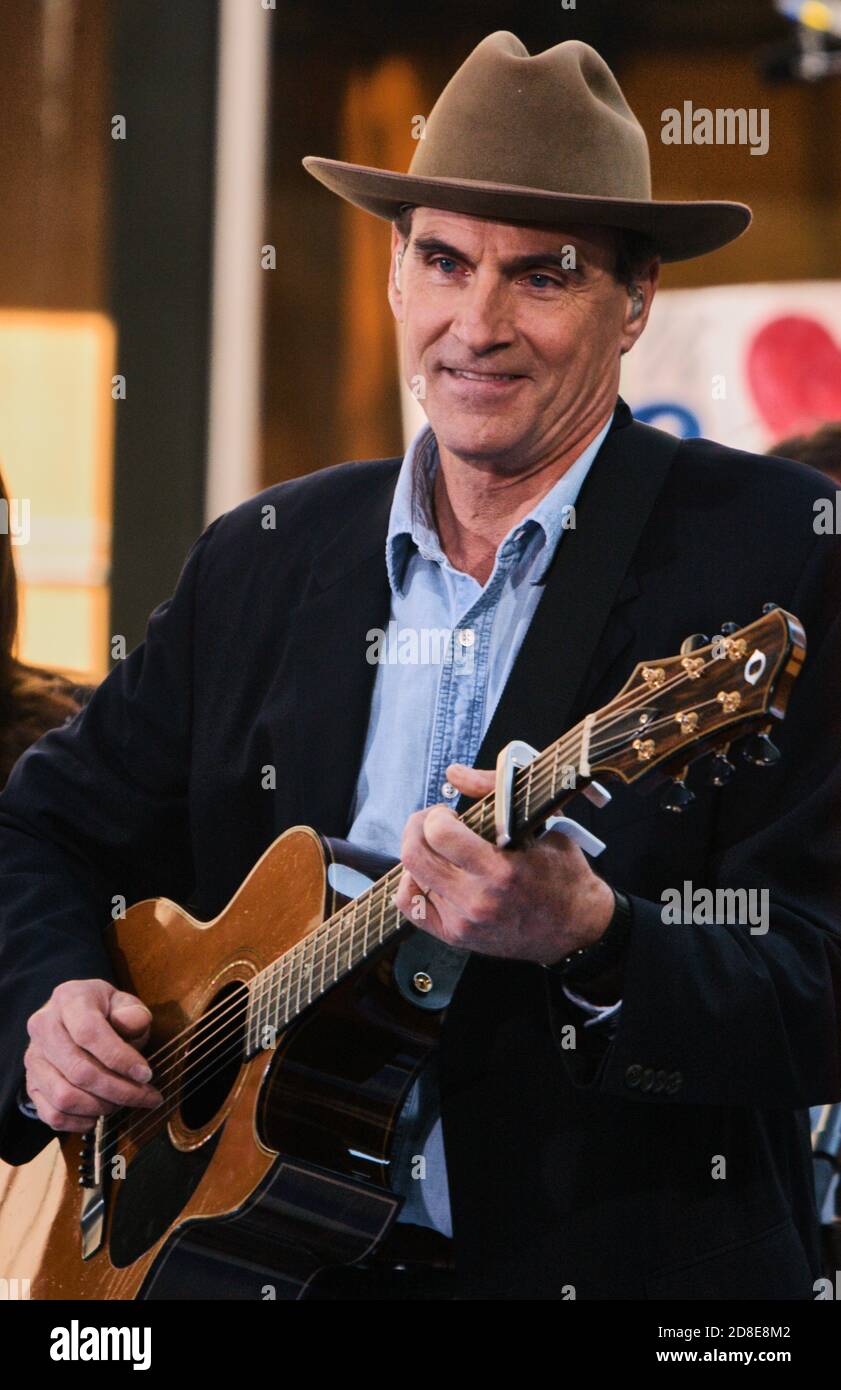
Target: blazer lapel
(348,595)
(589,582)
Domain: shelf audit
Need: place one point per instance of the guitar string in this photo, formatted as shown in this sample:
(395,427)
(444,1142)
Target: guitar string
(155,1116)
(335,924)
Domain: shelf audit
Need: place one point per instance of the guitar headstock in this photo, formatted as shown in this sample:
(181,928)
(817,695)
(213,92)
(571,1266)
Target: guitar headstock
(673,710)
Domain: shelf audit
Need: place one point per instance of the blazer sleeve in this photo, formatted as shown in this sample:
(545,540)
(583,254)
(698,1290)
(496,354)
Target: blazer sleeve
(94,814)
(718,1013)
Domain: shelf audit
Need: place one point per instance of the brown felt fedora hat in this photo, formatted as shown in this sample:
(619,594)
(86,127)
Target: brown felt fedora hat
(547,138)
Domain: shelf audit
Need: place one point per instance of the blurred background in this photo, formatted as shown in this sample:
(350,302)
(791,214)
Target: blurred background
(186,316)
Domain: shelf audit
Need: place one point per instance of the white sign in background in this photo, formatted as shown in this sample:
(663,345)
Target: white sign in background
(745,365)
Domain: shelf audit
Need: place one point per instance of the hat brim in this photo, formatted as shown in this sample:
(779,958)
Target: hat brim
(680,230)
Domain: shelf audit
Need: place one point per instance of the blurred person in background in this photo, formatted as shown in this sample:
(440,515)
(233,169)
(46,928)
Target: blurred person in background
(32,700)
(821,450)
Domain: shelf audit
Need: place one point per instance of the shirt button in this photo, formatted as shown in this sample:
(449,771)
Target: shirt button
(449,791)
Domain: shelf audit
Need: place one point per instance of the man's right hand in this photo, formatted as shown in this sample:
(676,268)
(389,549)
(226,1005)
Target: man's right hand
(83,1059)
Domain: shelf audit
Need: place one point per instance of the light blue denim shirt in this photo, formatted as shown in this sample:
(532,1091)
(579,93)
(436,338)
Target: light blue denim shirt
(441,669)
(433,700)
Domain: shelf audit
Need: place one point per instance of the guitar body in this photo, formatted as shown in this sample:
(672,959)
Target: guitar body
(269,1170)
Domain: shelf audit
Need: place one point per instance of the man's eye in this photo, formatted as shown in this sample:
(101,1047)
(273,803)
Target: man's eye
(436,260)
(547,279)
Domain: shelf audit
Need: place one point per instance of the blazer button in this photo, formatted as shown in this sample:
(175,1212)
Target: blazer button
(674,1083)
(632,1075)
(659,1080)
(647,1079)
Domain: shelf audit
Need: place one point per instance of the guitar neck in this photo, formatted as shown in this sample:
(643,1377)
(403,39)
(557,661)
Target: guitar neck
(343,941)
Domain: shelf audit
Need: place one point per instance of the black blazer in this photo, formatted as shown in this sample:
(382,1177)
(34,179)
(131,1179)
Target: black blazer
(590,1169)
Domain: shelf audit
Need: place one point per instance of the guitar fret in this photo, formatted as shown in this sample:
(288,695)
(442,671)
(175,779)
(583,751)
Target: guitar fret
(282,987)
(344,922)
(252,1004)
(249,1015)
(270,1007)
(381,928)
(306,965)
(323,963)
(355,954)
(295,972)
(278,976)
(261,1013)
(330,958)
(264,1013)
(353,930)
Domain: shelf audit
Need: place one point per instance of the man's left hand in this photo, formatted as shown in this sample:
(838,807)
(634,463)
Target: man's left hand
(537,904)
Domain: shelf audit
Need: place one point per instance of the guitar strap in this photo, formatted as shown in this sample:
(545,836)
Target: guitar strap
(616,502)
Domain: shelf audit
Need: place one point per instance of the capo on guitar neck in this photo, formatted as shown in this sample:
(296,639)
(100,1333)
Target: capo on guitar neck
(517,755)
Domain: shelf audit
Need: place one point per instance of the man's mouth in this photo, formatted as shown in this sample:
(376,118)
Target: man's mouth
(483,376)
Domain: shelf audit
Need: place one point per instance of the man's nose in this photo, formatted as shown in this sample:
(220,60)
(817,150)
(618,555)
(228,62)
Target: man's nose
(483,318)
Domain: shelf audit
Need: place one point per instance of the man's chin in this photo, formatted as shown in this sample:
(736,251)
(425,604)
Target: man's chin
(480,444)
(475,433)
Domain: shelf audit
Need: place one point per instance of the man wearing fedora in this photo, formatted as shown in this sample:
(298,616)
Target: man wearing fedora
(666,1154)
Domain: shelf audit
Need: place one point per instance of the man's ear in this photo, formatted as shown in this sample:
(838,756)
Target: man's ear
(395,293)
(638,305)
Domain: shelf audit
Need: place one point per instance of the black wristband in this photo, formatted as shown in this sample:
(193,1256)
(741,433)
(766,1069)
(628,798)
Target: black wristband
(589,961)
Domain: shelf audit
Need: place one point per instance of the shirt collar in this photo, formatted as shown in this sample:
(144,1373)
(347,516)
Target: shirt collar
(411,526)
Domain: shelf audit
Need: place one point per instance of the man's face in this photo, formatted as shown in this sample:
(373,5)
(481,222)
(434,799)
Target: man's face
(533,314)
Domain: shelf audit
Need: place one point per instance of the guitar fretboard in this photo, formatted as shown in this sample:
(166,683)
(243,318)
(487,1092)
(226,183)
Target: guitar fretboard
(303,974)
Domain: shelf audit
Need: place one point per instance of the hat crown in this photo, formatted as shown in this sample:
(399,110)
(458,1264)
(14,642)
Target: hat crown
(556,121)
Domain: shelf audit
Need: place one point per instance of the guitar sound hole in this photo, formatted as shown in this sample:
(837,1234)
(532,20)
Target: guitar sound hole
(213,1056)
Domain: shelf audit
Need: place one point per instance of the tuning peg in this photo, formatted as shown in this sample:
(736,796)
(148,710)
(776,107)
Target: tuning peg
(760,751)
(769,607)
(727,629)
(677,797)
(692,643)
(720,768)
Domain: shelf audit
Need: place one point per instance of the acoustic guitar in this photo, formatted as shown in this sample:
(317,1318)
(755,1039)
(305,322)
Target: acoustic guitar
(283,1047)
